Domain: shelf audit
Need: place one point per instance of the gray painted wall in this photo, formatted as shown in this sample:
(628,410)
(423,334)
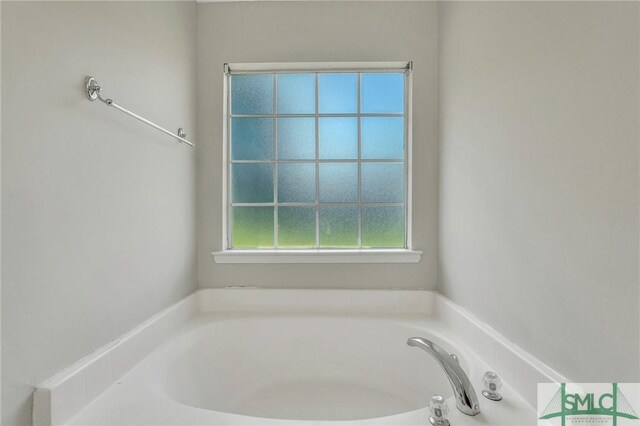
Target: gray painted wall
(316,32)
(98,210)
(539,107)
(538,199)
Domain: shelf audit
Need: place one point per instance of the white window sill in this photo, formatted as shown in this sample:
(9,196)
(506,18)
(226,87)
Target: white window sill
(317,256)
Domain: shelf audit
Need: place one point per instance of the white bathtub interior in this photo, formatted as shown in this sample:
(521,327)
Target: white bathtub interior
(265,357)
(300,368)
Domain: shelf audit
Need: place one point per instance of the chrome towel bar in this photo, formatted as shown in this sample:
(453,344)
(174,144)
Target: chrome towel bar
(93,93)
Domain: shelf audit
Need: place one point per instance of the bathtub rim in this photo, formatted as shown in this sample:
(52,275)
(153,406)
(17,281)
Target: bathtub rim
(59,398)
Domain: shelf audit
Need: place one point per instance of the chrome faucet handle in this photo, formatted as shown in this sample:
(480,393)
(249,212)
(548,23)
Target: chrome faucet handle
(439,411)
(492,385)
(463,391)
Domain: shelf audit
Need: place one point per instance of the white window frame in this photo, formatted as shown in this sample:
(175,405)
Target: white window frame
(329,255)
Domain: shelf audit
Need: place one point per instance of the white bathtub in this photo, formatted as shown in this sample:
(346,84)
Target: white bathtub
(266,357)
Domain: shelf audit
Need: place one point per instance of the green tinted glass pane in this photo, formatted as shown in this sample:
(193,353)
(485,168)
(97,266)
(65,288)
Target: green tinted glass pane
(338,182)
(337,93)
(252,94)
(338,138)
(382,93)
(296,93)
(297,138)
(383,138)
(383,182)
(252,183)
(383,226)
(338,226)
(296,182)
(252,138)
(252,227)
(296,227)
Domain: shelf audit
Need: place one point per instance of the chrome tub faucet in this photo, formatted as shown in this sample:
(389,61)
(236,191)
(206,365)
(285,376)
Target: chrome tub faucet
(466,399)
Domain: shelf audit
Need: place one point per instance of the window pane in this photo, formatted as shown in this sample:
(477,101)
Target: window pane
(296,227)
(338,138)
(338,93)
(252,94)
(383,93)
(252,227)
(383,226)
(251,138)
(338,182)
(297,138)
(383,182)
(252,183)
(296,93)
(338,226)
(383,138)
(296,182)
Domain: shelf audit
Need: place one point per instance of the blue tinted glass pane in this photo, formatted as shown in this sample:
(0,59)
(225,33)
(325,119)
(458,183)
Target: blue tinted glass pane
(338,93)
(383,93)
(296,227)
(296,93)
(252,183)
(297,138)
(252,227)
(252,94)
(383,138)
(251,138)
(338,138)
(383,182)
(296,182)
(338,226)
(383,226)
(338,182)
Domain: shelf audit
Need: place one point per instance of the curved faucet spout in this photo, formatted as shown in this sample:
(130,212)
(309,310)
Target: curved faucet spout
(466,399)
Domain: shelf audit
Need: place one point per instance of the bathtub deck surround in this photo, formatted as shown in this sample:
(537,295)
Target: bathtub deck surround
(265,356)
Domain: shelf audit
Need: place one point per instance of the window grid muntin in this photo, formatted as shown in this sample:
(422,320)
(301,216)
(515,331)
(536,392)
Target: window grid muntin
(359,125)
(325,203)
(358,115)
(317,159)
(275,159)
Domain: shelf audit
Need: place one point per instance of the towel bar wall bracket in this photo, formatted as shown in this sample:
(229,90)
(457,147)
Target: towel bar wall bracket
(93,93)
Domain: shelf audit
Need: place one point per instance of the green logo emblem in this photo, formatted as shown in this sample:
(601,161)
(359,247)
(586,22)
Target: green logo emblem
(613,405)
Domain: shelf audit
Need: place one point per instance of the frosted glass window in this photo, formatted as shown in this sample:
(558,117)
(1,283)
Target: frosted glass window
(338,93)
(297,138)
(383,226)
(296,227)
(383,93)
(383,138)
(338,182)
(338,138)
(296,182)
(383,182)
(316,159)
(338,226)
(296,93)
(252,182)
(252,94)
(252,138)
(252,227)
